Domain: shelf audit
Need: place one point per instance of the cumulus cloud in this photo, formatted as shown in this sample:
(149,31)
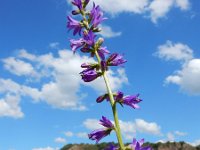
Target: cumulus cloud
(159,8)
(147,127)
(171,136)
(188,76)
(60,140)
(56,71)
(128,128)
(10,107)
(82,135)
(155,9)
(183,4)
(92,124)
(69,134)
(107,32)
(11,95)
(179,133)
(174,51)
(119,6)
(19,67)
(195,143)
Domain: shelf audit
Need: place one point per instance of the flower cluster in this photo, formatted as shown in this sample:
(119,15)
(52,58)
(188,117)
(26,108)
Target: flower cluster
(89,43)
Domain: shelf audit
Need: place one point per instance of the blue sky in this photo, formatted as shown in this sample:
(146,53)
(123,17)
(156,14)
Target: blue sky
(43,102)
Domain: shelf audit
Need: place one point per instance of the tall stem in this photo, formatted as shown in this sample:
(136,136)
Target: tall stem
(112,102)
(113,105)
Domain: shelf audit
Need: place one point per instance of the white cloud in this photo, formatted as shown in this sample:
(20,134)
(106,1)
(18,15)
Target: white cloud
(119,6)
(177,51)
(159,8)
(11,97)
(60,140)
(10,107)
(128,128)
(107,32)
(170,137)
(24,54)
(69,134)
(57,71)
(155,9)
(179,133)
(183,4)
(92,124)
(46,148)
(139,125)
(19,67)
(188,76)
(195,143)
(147,127)
(82,135)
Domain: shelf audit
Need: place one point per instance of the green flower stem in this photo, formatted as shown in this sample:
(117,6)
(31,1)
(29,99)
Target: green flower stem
(113,104)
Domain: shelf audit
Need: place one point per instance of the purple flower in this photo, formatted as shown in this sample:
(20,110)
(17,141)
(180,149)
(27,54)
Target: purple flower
(103,66)
(89,38)
(101,133)
(78,3)
(115,59)
(74,24)
(96,16)
(102,51)
(137,145)
(118,96)
(130,100)
(89,75)
(111,147)
(75,44)
(101,98)
(106,122)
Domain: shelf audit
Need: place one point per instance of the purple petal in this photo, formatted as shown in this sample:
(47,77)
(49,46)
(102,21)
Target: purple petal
(106,122)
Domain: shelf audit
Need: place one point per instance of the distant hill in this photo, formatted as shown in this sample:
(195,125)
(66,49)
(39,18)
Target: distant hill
(155,146)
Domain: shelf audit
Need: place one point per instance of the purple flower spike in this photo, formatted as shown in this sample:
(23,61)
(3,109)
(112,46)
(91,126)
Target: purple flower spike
(106,122)
(137,145)
(115,59)
(89,75)
(102,51)
(74,24)
(99,134)
(75,44)
(131,100)
(96,16)
(78,3)
(111,147)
